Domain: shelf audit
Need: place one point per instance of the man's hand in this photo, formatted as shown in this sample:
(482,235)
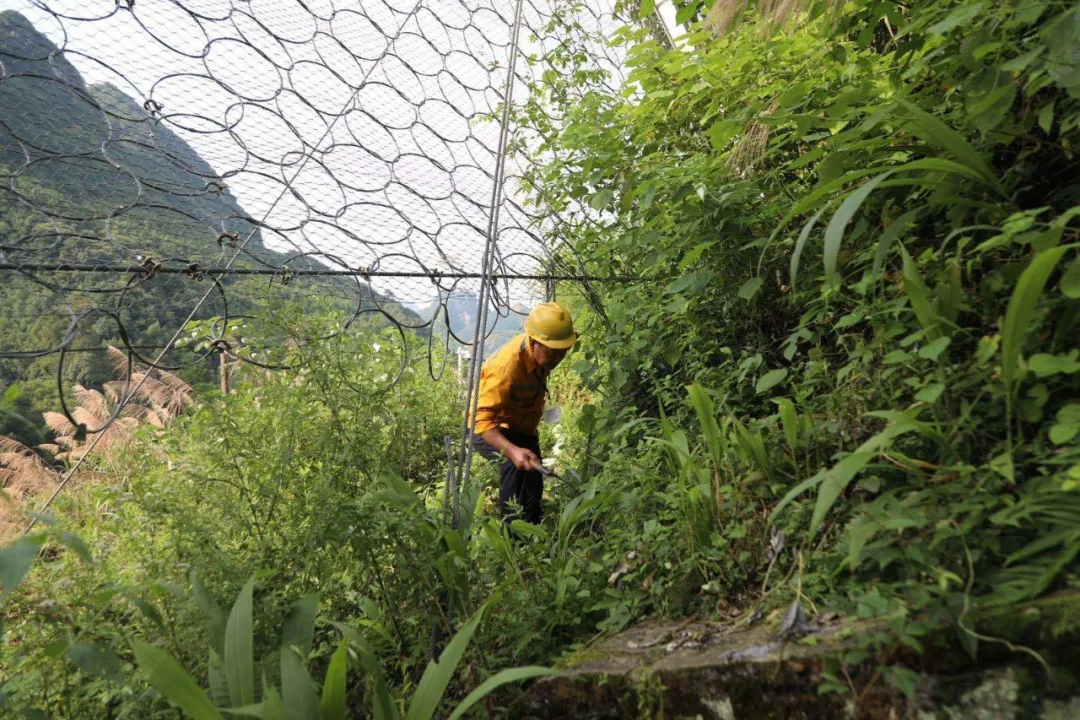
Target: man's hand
(523,458)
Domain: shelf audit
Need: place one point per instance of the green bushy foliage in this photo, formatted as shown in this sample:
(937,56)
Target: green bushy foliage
(849,377)
(860,238)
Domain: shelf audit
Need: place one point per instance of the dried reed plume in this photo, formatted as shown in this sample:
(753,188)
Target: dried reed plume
(750,148)
(26,472)
(724,14)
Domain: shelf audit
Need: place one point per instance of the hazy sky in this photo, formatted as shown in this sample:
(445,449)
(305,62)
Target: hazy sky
(351,127)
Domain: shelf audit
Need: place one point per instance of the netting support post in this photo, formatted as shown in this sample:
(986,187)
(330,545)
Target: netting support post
(480,334)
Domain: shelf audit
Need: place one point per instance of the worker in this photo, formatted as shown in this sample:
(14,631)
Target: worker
(513,386)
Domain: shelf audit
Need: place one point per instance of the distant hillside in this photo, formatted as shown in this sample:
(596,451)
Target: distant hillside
(461,310)
(102,181)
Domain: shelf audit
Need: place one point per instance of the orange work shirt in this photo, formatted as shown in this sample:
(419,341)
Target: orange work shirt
(512,390)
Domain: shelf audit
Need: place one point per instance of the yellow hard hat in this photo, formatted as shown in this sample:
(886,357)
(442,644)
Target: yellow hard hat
(550,325)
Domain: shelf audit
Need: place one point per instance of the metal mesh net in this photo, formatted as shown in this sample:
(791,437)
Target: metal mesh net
(169,160)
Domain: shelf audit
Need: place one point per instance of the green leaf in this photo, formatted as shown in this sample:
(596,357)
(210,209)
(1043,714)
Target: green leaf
(904,679)
(168,678)
(1018,63)
(396,491)
(495,682)
(834,231)
(919,295)
(300,625)
(836,479)
(1003,465)
(17,559)
(930,393)
(678,305)
(689,282)
(239,653)
(989,100)
(76,543)
(1045,365)
(1062,38)
(859,534)
(692,255)
(437,675)
(96,661)
(1070,281)
(1046,117)
(1061,434)
(1021,312)
(895,357)
(770,380)
(750,288)
(335,686)
(527,529)
(297,690)
(801,242)
(852,318)
(964,13)
(601,200)
(1069,414)
(148,611)
(647,7)
(933,349)
(721,132)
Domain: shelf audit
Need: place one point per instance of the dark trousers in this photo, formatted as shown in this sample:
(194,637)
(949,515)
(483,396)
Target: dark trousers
(524,486)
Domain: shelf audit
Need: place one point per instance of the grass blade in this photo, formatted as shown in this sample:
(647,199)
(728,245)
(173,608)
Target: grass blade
(239,653)
(382,703)
(801,242)
(795,492)
(943,165)
(333,693)
(300,625)
(887,238)
(834,482)
(938,133)
(919,295)
(215,616)
(436,677)
(172,681)
(834,231)
(219,685)
(495,682)
(272,706)
(710,429)
(1021,311)
(297,690)
(1070,281)
(789,421)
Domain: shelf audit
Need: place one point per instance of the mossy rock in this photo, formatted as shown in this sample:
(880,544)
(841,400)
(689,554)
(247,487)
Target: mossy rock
(715,671)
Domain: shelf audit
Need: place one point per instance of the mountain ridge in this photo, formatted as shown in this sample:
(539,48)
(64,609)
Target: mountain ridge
(90,176)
